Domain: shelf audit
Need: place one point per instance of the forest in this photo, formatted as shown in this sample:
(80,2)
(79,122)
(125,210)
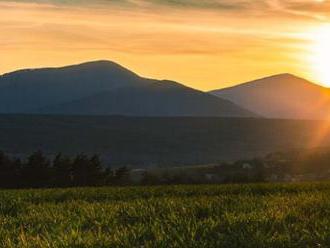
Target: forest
(38,170)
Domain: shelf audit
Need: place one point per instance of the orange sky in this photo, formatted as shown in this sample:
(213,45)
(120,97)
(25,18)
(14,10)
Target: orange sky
(205,44)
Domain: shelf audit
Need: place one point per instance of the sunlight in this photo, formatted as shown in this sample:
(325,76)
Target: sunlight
(320,54)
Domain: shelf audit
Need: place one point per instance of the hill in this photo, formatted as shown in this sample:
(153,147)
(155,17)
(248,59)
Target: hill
(281,96)
(158,141)
(105,88)
(163,98)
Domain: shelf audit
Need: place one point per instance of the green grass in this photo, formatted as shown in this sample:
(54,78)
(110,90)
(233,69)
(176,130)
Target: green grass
(270,215)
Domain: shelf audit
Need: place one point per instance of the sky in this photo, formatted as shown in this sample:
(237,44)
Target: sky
(205,44)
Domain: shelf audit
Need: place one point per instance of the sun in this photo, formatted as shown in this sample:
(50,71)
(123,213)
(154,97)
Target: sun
(320,54)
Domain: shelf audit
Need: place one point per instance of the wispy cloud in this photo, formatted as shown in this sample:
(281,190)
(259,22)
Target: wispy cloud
(304,8)
(220,4)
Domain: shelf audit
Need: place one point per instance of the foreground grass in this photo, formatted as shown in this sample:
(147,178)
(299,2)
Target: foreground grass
(292,215)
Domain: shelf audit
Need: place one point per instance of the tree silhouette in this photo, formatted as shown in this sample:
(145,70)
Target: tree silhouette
(87,171)
(121,175)
(9,172)
(36,172)
(97,174)
(62,171)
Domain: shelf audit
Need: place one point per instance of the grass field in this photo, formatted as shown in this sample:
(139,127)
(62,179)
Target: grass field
(278,215)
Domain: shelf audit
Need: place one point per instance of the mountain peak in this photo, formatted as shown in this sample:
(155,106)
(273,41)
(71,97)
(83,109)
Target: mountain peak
(283,80)
(278,78)
(281,96)
(97,63)
(103,66)
(105,88)
(283,76)
(95,66)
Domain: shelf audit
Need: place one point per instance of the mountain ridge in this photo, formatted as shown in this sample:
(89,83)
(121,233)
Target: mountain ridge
(283,75)
(280,96)
(40,90)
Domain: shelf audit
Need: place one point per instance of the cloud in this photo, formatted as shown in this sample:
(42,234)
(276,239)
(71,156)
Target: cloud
(193,31)
(185,3)
(222,5)
(312,9)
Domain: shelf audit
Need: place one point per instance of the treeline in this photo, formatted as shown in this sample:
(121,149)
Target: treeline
(38,171)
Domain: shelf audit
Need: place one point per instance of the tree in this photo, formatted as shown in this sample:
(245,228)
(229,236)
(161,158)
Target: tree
(62,171)
(97,174)
(109,176)
(9,172)
(87,171)
(121,175)
(36,171)
(80,170)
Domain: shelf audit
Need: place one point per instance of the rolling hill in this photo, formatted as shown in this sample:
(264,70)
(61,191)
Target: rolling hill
(105,88)
(153,141)
(281,96)
(163,98)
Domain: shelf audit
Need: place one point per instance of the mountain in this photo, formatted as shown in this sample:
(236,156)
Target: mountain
(105,88)
(163,98)
(281,96)
(29,90)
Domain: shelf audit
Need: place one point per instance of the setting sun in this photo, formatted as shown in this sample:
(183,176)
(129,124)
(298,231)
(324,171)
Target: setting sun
(320,54)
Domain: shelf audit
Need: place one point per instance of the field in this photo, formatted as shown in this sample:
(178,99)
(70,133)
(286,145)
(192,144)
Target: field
(255,215)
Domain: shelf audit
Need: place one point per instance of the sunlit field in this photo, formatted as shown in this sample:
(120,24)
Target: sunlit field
(267,215)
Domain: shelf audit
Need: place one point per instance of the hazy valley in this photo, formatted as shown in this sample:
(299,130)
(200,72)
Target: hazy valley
(101,107)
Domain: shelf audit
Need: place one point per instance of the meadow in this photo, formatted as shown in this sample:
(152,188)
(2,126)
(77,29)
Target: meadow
(249,215)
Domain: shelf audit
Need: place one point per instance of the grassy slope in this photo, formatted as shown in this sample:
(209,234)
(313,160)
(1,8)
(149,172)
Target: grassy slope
(166,141)
(280,215)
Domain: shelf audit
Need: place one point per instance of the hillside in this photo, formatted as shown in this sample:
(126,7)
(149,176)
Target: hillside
(163,98)
(105,88)
(155,141)
(281,96)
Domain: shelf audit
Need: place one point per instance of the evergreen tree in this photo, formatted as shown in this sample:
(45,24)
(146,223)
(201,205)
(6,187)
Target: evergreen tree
(36,171)
(62,171)
(109,176)
(121,175)
(97,174)
(9,173)
(80,171)
(87,171)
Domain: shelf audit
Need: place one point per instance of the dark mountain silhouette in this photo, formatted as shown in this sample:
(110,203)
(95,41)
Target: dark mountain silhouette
(105,88)
(163,98)
(281,96)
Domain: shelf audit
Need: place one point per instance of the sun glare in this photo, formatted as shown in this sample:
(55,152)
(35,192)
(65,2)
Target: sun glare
(320,54)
